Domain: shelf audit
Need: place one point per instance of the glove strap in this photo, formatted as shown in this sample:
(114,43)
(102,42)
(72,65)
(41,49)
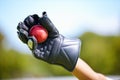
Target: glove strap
(32,42)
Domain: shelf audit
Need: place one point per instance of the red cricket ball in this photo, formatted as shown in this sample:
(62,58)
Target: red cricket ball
(39,32)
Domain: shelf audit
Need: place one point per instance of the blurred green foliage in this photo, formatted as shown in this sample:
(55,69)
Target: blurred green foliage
(102,53)
(14,64)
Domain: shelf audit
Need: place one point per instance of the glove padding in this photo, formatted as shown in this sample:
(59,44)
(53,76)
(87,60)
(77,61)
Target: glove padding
(56,49)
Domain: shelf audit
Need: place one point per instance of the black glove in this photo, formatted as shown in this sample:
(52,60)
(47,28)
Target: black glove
(56,49)
(24,27)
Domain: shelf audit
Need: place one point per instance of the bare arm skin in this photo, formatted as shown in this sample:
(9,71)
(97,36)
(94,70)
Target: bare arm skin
(83,72)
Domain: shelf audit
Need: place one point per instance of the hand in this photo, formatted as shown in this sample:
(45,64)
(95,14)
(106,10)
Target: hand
(56,49)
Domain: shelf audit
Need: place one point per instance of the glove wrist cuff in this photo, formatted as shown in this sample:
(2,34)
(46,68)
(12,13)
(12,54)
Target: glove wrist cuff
(68,53)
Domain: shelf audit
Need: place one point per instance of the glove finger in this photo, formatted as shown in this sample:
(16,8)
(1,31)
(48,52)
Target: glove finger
(21,25)
(23,35)
(31,20)
(36,17)
(46,22)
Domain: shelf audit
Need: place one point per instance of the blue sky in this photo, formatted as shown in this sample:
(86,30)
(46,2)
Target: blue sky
(71,17)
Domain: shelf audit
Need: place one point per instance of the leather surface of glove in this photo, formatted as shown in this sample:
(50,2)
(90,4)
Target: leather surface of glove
(57,49)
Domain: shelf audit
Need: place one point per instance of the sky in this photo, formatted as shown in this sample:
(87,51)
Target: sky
(71,17)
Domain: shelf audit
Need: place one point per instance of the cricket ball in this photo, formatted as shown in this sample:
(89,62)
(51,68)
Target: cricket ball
(39,32)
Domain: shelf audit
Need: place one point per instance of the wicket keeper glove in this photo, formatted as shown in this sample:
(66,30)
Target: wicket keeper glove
(56,49)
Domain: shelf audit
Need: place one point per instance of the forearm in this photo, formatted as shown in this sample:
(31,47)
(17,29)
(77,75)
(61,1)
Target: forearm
(83,72)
